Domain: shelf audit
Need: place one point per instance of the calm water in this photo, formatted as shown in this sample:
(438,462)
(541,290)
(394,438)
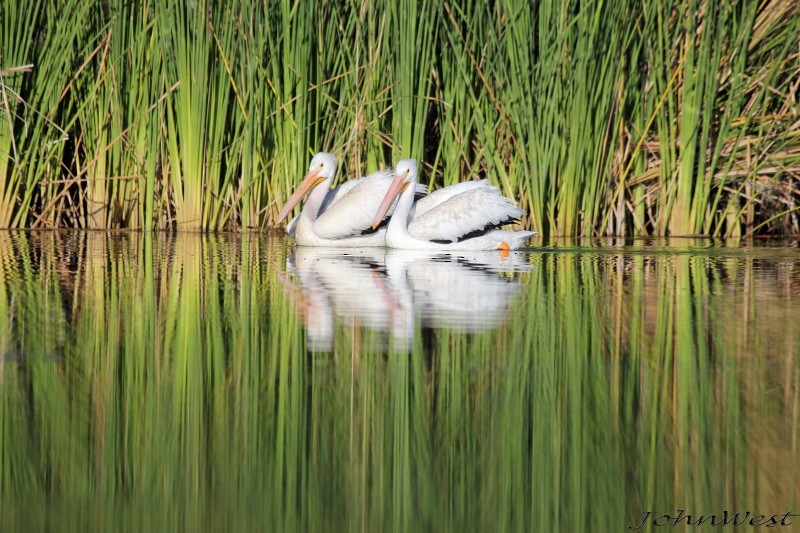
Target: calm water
(237,383)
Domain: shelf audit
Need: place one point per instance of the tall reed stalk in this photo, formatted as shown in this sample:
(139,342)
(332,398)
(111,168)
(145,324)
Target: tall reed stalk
(37,113)
(675,117)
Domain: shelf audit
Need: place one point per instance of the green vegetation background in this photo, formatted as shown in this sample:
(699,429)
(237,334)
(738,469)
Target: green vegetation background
(632,117)
(161,381)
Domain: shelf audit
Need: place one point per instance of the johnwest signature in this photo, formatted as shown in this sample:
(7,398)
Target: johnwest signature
(724,518)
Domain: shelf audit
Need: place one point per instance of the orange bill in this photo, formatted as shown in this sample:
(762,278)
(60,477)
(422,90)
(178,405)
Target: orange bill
(398,185)
(309,182)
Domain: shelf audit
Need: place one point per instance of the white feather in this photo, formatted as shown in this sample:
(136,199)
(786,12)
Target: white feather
(462,213)
(351,209)
(291,227)
(437,197)
(338,192)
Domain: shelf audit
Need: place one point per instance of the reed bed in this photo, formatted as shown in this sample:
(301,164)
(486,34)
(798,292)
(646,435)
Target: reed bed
(673,117)
(169,374)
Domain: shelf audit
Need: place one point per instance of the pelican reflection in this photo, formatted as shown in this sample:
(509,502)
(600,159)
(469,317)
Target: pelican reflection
(398,291)
(336,283)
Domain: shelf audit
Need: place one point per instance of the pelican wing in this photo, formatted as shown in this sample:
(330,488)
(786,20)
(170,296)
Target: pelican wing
(476,210)
(439,196)
(351,211)
(337,193)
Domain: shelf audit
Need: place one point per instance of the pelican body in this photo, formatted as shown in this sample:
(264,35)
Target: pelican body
(340,217)
(464,216)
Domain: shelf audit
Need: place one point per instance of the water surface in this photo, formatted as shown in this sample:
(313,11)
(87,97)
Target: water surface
(235,382)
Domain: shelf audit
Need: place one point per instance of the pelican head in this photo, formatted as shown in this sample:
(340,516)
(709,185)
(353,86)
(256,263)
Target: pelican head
(405,174)
(322,168)
(406,170)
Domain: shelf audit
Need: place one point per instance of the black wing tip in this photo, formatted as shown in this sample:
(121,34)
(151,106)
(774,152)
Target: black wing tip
(370,230)
(486,229)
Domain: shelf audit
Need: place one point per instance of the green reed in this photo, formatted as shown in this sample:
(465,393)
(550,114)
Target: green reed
(37,116)
(601,118)
(171,374)
(468,105)
(118,127)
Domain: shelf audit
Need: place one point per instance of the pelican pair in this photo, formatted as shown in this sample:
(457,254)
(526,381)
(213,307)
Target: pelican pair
(389,208)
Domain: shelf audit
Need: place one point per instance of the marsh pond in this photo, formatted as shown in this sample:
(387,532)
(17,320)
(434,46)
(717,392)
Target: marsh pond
(238,383)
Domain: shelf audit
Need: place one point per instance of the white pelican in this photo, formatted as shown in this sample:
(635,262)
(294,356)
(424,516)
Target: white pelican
(340,217)
(460,217)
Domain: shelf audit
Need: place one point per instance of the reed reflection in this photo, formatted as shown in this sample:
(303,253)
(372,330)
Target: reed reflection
(400,291)
(576,386)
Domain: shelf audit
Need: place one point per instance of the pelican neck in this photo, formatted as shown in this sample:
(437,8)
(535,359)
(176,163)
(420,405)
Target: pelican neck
(398,224)
(314,202)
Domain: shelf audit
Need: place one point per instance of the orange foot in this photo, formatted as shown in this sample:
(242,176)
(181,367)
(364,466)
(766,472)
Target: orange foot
(504,248)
